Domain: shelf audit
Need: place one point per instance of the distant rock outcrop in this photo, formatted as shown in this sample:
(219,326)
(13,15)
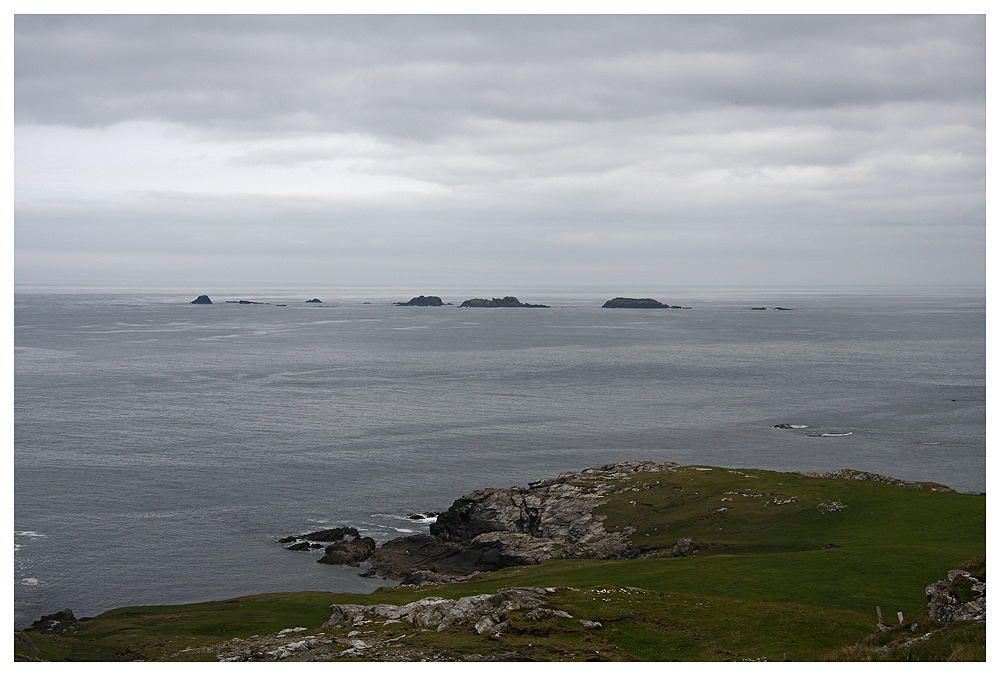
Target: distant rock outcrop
(506,301)
(640,303)
(314,300)
(202,300)
(424,301)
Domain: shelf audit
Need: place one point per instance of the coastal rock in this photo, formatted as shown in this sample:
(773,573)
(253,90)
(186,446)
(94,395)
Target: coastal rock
(398,558)
(441,614)
(496,528)
(313,541)
(560,508)
(424,301)
(202,300)
(314,300)
(331,534)
(56,623)
(349,553)
(639,303)
(959,597)
(506,301)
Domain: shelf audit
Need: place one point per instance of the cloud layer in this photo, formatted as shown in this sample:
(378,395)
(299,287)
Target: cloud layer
(611,150)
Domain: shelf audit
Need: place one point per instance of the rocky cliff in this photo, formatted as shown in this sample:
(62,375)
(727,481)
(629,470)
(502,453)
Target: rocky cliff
(494,528)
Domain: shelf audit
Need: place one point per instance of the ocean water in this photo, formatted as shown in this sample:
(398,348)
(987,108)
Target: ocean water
(161,448)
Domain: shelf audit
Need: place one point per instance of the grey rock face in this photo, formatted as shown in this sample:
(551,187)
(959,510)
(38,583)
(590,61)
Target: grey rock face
(349,553)
(960,597)
(485,611)
(557,509)
(495,528)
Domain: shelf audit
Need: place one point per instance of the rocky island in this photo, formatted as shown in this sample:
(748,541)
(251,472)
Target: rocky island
(640,303)
(202,300)
(506,301)
(424,301)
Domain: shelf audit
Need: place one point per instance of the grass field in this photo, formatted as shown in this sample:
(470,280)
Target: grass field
(787,564)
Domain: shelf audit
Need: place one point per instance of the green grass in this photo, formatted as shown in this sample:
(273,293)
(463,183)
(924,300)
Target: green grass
(764,583)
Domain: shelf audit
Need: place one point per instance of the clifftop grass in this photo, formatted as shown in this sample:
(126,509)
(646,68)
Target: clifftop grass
(787,564)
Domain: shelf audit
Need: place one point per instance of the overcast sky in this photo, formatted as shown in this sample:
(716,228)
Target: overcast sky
(507,151)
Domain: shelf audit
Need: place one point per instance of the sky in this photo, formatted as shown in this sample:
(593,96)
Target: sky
(508,151)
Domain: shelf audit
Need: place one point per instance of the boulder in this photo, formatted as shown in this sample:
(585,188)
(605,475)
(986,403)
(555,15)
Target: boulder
(959,597)
(349,553)
(202,300)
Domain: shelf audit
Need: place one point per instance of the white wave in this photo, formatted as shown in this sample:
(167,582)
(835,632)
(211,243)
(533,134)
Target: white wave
(30,581)
(29,534)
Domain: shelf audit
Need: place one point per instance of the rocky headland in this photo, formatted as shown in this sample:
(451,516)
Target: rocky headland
(626,516)
(494,528)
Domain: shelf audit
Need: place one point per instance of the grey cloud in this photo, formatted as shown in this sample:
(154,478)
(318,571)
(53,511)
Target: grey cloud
(418,76)
(671,148)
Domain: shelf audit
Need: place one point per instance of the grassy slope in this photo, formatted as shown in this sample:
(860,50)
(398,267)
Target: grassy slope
(763,585)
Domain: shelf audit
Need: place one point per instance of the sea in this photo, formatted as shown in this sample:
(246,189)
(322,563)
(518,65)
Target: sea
(162,448)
